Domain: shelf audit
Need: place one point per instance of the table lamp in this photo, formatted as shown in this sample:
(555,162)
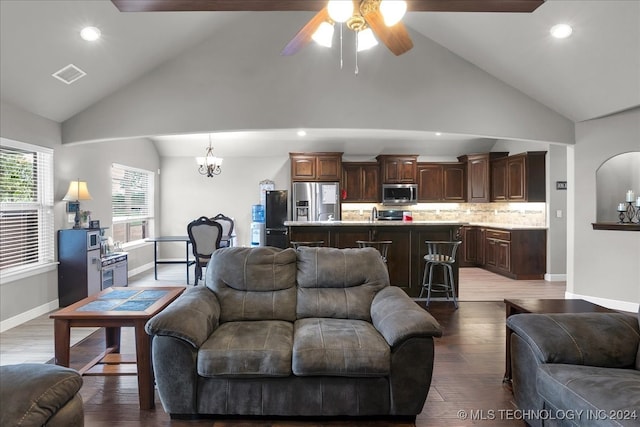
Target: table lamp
(77,191)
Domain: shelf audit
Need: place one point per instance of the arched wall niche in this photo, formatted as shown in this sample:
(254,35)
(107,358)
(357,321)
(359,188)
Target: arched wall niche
(614,178)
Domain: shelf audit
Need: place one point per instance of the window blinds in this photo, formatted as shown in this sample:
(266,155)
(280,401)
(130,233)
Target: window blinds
(26,205)
(131,193)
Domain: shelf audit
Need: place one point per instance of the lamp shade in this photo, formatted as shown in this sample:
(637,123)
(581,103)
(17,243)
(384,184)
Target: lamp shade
(77,191)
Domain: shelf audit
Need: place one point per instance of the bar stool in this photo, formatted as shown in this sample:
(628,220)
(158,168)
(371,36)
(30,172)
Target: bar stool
(381,245)
(313,243)
(440,253)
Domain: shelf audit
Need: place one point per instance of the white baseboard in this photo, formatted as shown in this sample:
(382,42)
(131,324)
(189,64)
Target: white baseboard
(140,269)
(21,318)
(613,304)
(549,277)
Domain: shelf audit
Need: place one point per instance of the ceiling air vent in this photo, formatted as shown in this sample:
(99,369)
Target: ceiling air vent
(69,74)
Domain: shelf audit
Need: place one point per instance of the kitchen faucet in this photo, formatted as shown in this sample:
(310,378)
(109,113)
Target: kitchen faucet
(374,214)
(328,214)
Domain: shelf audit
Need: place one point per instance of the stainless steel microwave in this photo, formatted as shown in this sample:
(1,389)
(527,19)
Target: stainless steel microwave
(399,194)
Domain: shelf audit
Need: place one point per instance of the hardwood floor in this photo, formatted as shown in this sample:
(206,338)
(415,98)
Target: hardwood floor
(469,362)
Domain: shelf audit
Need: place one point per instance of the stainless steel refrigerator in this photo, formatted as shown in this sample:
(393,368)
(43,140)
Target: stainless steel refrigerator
(276,212)
(316,201)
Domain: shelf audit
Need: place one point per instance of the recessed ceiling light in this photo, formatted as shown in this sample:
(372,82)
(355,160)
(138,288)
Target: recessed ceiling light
(302,133)
(561,31)
(438,133)
(90,34)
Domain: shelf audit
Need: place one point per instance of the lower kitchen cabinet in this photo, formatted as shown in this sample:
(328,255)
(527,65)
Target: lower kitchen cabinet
(518,254)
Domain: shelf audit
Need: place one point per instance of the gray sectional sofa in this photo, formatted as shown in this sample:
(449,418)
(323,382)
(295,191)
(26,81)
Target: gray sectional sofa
(576,369)
(307,332)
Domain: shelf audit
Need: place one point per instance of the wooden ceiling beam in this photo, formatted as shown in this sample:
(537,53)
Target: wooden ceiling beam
(517,6)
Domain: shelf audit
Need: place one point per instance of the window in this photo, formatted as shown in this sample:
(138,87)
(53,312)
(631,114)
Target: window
(26,206)
(131,203)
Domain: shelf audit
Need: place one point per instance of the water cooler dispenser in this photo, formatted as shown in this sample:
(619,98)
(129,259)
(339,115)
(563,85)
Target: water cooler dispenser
(257,225)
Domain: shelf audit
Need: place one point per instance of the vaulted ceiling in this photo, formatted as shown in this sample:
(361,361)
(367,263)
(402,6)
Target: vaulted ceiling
(593,73)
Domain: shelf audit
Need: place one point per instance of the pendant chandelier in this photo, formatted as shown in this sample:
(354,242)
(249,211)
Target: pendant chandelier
(209,165)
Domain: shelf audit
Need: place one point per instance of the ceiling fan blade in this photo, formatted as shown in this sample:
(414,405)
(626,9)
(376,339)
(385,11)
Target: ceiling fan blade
(396,38)
(217,5)
(303,37)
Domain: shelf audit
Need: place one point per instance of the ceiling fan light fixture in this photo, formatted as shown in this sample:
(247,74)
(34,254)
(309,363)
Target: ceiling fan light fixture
(324,34)
(392,11)
(366,39)
(340,10)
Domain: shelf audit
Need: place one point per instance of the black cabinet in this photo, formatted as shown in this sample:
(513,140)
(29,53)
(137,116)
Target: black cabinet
(79,265)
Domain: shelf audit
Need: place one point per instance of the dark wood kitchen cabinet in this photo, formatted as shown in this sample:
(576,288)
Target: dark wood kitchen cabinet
(518,254)
(478,175)
(316,166)
(441,182)
(471,251)
(398,169)
(519,178)
(361,181)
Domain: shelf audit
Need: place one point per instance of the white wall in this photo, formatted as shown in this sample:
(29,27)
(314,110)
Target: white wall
(603,266)
(187,195)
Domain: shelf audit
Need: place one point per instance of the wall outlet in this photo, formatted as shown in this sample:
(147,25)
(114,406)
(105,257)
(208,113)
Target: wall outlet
(559,213)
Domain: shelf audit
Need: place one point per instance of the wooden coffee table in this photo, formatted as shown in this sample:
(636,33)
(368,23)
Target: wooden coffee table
(516,306)
(112,309)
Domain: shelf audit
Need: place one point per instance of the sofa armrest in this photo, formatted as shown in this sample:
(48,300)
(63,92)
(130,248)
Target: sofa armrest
(594,339)
(397,317)
(192,317)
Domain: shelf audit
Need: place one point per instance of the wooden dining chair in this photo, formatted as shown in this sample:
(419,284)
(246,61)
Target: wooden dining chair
(227,229)
(205,235)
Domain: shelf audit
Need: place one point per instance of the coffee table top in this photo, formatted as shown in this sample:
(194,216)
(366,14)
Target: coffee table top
(125,302)
(555,306)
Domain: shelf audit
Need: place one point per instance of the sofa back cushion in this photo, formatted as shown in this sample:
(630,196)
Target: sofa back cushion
(254,283)
(339,283)
(638,355)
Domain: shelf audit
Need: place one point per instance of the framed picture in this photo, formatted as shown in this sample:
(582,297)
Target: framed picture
(94,223)
(73,206)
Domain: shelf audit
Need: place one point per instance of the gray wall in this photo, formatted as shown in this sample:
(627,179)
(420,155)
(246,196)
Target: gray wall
(603,265)
(244,85)
(37,294)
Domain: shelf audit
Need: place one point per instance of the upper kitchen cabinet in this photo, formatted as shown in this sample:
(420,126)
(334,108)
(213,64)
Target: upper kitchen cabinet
(519,178)
(478,175)
(316,166)
(398,169)
(441,182)
(361,181)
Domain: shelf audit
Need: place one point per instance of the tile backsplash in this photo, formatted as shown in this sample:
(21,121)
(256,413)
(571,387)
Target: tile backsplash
(530,214)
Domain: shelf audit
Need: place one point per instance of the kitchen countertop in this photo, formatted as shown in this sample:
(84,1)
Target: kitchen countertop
(409,223)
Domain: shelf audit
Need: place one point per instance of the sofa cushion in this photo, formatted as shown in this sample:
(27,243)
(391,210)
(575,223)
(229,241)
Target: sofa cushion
(248,349)
(254,283)
(32,393)
(339,347)
(595,390)
(339,283)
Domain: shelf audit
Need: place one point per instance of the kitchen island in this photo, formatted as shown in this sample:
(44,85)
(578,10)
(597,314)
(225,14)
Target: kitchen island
(405,259)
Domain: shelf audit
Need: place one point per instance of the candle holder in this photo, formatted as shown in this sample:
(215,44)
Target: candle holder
(630,212)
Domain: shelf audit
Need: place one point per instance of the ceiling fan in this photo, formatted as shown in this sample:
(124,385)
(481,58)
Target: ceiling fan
(365,14)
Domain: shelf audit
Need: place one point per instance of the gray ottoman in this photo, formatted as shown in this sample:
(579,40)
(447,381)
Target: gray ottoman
(34,394)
